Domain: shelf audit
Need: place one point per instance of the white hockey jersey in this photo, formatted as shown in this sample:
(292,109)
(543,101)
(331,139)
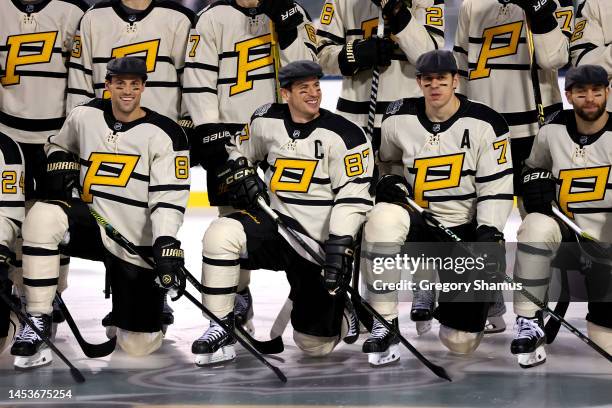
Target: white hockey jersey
(229,69)
(159,34)
(592,38)
(581,164)
(136,174)
(344,21)
(493,58)
(12,199)
(460,169)
(318,173)
(35,42)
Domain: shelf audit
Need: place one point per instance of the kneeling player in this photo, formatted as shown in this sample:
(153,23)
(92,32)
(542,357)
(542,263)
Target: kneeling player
(574,149)
(456,164)
(12,213)
(135,173)
(319,170)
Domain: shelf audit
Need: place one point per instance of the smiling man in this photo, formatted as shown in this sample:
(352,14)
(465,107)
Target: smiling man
(318,174)
(131,165)
(456,164)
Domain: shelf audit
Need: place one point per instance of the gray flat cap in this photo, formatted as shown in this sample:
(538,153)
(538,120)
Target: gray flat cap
(297,70)
(586,75)
(437,61)
(127,66)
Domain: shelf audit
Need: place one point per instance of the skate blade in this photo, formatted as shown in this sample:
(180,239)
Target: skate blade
(224,354)
(40,359)
(423,327)
(528,360)
(495,324)
(53,331)
(385,358)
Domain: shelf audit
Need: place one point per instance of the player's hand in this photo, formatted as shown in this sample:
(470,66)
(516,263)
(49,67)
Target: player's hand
(539,190)
(338,266)
(208,145)
(243,184)
(365,54)
(63,172)
(284,13)
(392,188)
(396,12)
(493,251)
(169,265)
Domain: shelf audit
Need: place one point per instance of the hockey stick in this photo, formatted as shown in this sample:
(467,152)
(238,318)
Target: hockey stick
(129,246)
(535,79)
(551,328)
(592,248)
(380,32)
(438,225)
(90,350)
(437,370)
(76,374)
(276,59)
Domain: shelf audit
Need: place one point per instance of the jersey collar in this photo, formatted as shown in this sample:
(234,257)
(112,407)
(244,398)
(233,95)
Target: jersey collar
(118,126)
(247,11)
(301,130)
(585,140)
(30,8)
(131,17)
(439,127)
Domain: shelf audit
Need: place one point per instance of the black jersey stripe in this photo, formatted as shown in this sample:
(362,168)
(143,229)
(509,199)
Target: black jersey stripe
(354,200)
(491,177)
(458,49)
(41,74)
(298,177)
(170,206)
(322,46)
(199,65)
(533,250)
(265,50)
(119,199)
(14,221)
(590,185)
(254,77)
(32,48)
(80,67)
(150,84)
(495,40)
(169,187)
(528,117)
(105,60)
(361,180)
(115,170)
(442,173)
(458,197)
(12,204)
(31,125)
(309,203)
(508,67)
(332,37)
(360,108)
(203,89)
(76,91)
(434,31)
(311,47)
(10,150)
(589,210)
(496,197)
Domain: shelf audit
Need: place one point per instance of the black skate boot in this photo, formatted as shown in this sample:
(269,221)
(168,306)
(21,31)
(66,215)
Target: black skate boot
(382,346)
(57,317)
(352,321)
(423,305)
(29,349)
(243,310)
(167,315)
(528,343)
(215,345)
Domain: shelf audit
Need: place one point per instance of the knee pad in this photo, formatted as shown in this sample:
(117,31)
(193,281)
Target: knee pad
(139,344)
(314,346)
(45,226)
(388,223)
(224,239)
(458,341)
(539,228)
(601,335)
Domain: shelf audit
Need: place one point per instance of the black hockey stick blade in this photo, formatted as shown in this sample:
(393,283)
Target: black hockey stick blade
(76,374)
(90,350)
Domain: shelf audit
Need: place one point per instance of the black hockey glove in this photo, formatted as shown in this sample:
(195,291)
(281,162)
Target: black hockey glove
(169,265)
(493,251)
(392,188)
(338,267)
(360,55)
(6,258)
(62,176)
(243,184)
(208,145)
(539,190)
(285,14)
(539,13)
(396,12)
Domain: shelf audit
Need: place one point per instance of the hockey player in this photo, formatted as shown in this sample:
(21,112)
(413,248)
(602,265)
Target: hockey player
(36,38)
(592,37)
(229,72)
(456,164)
(134,171)
(12,213)
(492,51)
(158,31)
(318,174)
(348,46)
(572,149)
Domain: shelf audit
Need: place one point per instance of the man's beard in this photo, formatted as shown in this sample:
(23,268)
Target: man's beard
(593,116)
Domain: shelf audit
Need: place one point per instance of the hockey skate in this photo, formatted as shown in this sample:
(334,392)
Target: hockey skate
(422,309)
(352,321)
(29,349)
(495,319)
(382,346)
(167,316)
(215,345)
(109,325)
(528,343)
(243,309)
(57,317)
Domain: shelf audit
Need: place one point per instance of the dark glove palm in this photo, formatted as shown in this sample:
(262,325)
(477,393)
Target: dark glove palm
(338,267)
(360,55)
(539,190)
(62,176)
(392,188)
(243,184)
(169,265)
